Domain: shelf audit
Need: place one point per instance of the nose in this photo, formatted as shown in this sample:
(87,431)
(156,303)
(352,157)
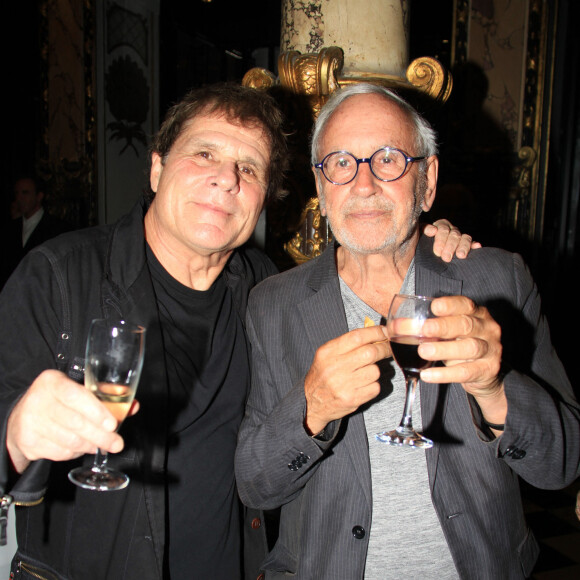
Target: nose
(365,182)
(226,177)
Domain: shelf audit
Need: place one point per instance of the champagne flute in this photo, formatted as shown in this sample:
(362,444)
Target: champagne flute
(407,315)
(113,362)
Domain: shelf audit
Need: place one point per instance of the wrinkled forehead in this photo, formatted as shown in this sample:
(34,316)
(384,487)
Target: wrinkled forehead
(216,112)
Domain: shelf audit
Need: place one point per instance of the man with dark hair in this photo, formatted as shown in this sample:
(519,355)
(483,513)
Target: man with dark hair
(239,105)
(500,406)
(176,264)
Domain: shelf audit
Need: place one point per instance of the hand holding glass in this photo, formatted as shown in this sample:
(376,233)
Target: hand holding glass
(113,362)
(407,315)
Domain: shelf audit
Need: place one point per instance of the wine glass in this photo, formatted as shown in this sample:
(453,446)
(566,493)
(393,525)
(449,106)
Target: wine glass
(407,315)
(113,362)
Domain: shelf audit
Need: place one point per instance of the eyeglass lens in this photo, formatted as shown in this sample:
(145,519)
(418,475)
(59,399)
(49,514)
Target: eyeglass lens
(387,164)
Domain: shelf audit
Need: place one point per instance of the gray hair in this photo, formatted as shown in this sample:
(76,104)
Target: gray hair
(425,136)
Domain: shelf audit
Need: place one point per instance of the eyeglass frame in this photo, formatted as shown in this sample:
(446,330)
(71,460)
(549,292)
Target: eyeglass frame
(408,160)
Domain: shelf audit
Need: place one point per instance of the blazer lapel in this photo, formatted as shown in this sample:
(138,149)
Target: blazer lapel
(324,319)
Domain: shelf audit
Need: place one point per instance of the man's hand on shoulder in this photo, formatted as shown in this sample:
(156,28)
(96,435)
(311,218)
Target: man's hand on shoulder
(449,241)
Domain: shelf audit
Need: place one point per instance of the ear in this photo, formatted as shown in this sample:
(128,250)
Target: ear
(431,176)
(156,171)
(317,180)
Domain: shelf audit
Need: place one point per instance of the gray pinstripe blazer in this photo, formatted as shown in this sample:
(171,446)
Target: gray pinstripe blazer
(324,489)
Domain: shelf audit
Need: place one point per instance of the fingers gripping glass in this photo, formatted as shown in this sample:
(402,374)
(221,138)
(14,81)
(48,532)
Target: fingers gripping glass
(114,358)
(387,164)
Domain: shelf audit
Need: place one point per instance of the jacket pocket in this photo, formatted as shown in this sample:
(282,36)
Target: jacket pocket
(280,561)
(26,570)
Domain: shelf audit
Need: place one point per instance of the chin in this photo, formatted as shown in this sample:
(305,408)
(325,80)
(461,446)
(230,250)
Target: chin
(210,241)
(361,243)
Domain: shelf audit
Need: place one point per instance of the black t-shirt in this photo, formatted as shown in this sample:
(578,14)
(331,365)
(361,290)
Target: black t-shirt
(208,374)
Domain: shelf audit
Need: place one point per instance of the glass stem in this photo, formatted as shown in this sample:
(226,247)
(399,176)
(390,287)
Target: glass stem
(406,425)
(100,460)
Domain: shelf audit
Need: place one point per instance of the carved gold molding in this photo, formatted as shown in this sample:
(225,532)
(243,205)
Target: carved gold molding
(523,176)
(318,75)
(259,78)
(313,75)
(313,237)
(536,119)
(425,74)
(429,75)
(527,157)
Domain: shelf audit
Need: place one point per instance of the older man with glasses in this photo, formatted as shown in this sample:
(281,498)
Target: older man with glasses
(499,406)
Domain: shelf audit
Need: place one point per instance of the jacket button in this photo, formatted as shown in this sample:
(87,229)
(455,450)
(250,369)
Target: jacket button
(358,532)
(518,454)
(256,523)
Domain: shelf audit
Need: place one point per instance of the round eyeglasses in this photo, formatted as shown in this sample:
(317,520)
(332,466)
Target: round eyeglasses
(387,164)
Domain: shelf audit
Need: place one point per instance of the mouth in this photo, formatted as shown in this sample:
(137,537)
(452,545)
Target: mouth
(213,209)
(368,214)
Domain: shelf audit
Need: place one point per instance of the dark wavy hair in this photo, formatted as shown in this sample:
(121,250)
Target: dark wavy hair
(247,106)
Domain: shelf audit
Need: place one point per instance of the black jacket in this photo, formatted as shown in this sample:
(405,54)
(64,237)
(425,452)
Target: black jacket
(46,308)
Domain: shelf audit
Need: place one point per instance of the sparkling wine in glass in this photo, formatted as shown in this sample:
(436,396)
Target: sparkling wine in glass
(113,362)
(407,315)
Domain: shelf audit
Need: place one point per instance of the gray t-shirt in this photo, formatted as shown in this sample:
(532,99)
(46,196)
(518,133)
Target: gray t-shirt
(406,539)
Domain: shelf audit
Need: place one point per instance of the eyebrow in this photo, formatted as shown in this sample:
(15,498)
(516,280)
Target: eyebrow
(210,144)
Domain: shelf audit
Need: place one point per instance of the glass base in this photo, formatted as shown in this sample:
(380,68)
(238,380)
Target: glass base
(96,479)
(403,437)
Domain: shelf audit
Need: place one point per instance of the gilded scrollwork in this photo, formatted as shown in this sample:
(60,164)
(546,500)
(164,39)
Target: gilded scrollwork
(522,174)
(521,193)
(527,156)
(259,78)
(318,75)
(313,236)
(314,75)
(429,75)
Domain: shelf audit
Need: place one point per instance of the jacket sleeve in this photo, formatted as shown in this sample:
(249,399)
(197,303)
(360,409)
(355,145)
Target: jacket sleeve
(543,418)
(541,441)
(30,310)
(275,457)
